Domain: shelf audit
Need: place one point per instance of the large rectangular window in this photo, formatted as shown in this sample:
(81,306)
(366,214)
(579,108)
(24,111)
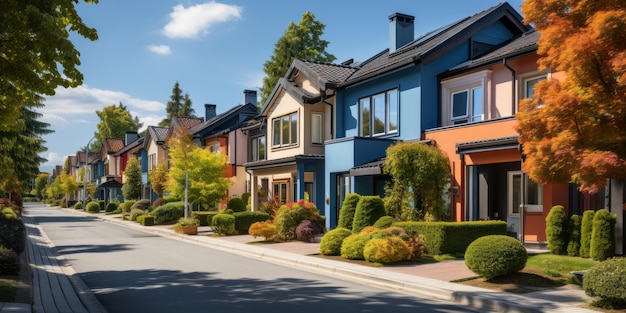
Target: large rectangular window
(285,130)
(379,114)
(281,191)
(257,148)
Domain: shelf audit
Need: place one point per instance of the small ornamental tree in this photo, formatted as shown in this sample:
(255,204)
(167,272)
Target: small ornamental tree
(348,207)
(69,185)
(603,235)
(290,215)
(586,228)
(158,179)
(420,173)
(132,187)
(556,230)
(368,210)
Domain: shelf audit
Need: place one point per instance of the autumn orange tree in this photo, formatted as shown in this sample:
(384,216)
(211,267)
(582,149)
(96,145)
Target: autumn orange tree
(574,129)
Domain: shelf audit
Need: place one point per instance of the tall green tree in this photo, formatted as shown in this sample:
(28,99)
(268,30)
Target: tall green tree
(40,185)
(133,184)
(36,54)
(115,121)
(299,41)
(420,175)
(55,190)
(20,148)
(178,105)
(574,129)
(206,183)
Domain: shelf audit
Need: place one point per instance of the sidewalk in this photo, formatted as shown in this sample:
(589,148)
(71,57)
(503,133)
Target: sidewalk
(57,287)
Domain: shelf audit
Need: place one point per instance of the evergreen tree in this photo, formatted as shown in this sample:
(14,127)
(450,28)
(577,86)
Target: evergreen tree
(132,187)
(178,105)
(299,41)
(187,109)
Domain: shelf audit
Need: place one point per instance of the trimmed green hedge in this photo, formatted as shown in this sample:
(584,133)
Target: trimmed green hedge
(204,217)
(243,220)
(452,237)
(169,212)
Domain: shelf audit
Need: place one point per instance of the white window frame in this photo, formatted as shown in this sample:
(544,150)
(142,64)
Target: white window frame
(368,103)
(277,125)
(215,147)
(317,128)
(524,187)
(523,87)
(466,83)
(255,148)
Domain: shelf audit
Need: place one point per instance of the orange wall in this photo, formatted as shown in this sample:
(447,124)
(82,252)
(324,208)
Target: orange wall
(535,227)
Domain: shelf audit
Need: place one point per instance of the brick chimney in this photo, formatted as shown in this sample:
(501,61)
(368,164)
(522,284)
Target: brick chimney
(401,30)
(249,96)
(209,111)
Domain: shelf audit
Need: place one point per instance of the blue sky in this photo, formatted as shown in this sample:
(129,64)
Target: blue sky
(215,50)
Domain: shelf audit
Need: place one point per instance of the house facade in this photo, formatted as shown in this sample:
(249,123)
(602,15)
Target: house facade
(393,96)
(152,153)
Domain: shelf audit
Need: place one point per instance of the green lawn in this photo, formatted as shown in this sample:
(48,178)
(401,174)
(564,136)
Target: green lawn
(558,266)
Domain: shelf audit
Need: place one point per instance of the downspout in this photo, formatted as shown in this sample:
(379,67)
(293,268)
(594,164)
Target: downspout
(332,116)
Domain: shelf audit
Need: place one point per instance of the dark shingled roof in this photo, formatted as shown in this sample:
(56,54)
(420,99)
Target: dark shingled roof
(198,127)
(187,122)
(332,73)
(134,144)
(112,145)
(429,45)
(157,133)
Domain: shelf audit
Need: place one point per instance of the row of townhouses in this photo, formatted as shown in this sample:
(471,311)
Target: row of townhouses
(324,130)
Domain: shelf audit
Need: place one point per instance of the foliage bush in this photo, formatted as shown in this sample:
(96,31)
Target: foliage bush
(224,224)
(607,280)
(586,228)
(573,235)
(308,230)
(78,206)
(92,207)
(126,205)
(9,262)
(495,255)
(143,204)
(266,229)
(147,220)
(332,240)
(236,204)
(556,230)
(9,213)
(384,222)
(245,197)
(203,216)
(134,213)
(243,220)
(171,199)
(417,245)
(386,250)
(169,212)
(12,234)
(603,235)
(452,237)
(368,210)
(158,202)
(353,245)
(270,207)
(290,215)
(348,207)
(111,207)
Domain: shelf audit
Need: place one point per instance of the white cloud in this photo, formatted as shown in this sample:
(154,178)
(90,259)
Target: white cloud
(197,19)
(54,159)
(160,49)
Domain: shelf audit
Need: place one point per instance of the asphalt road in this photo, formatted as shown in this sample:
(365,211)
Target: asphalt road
(132,271)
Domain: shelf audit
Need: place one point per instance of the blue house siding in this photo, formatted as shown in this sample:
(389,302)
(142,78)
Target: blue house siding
(317,168)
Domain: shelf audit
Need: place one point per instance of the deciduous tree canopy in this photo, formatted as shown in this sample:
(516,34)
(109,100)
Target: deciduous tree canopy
(115,121)
(574,129)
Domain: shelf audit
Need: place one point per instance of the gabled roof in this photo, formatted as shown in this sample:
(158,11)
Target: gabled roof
(218,123)
(72,160)
(431,45)
(112,145)
(321,75)
(156,134)
(184,123)
(523,45)
(134,144)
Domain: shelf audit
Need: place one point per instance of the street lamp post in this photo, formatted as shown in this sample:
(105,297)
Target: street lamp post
(85,173)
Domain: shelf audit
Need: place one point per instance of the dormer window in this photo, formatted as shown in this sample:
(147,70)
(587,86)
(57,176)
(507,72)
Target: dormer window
(465,99)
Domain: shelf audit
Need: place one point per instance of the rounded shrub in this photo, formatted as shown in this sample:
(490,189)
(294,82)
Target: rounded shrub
(12,233)
(266,229)
(92,207)
(143,204)
(169,212)
(134,213)
(111,207)
(384,222)
(236,204)
(386,250)
(223,224)
(573,244)
(307,230)
(126,205)
(607,280)
(290,215)
(495,255)
(9,213)
(368,210)
(332,240)
(78,206)
(243,220)
(245,197)
(348,207)
(556,230)
(353,245)
(603,235)
(586,228)
(9,262)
